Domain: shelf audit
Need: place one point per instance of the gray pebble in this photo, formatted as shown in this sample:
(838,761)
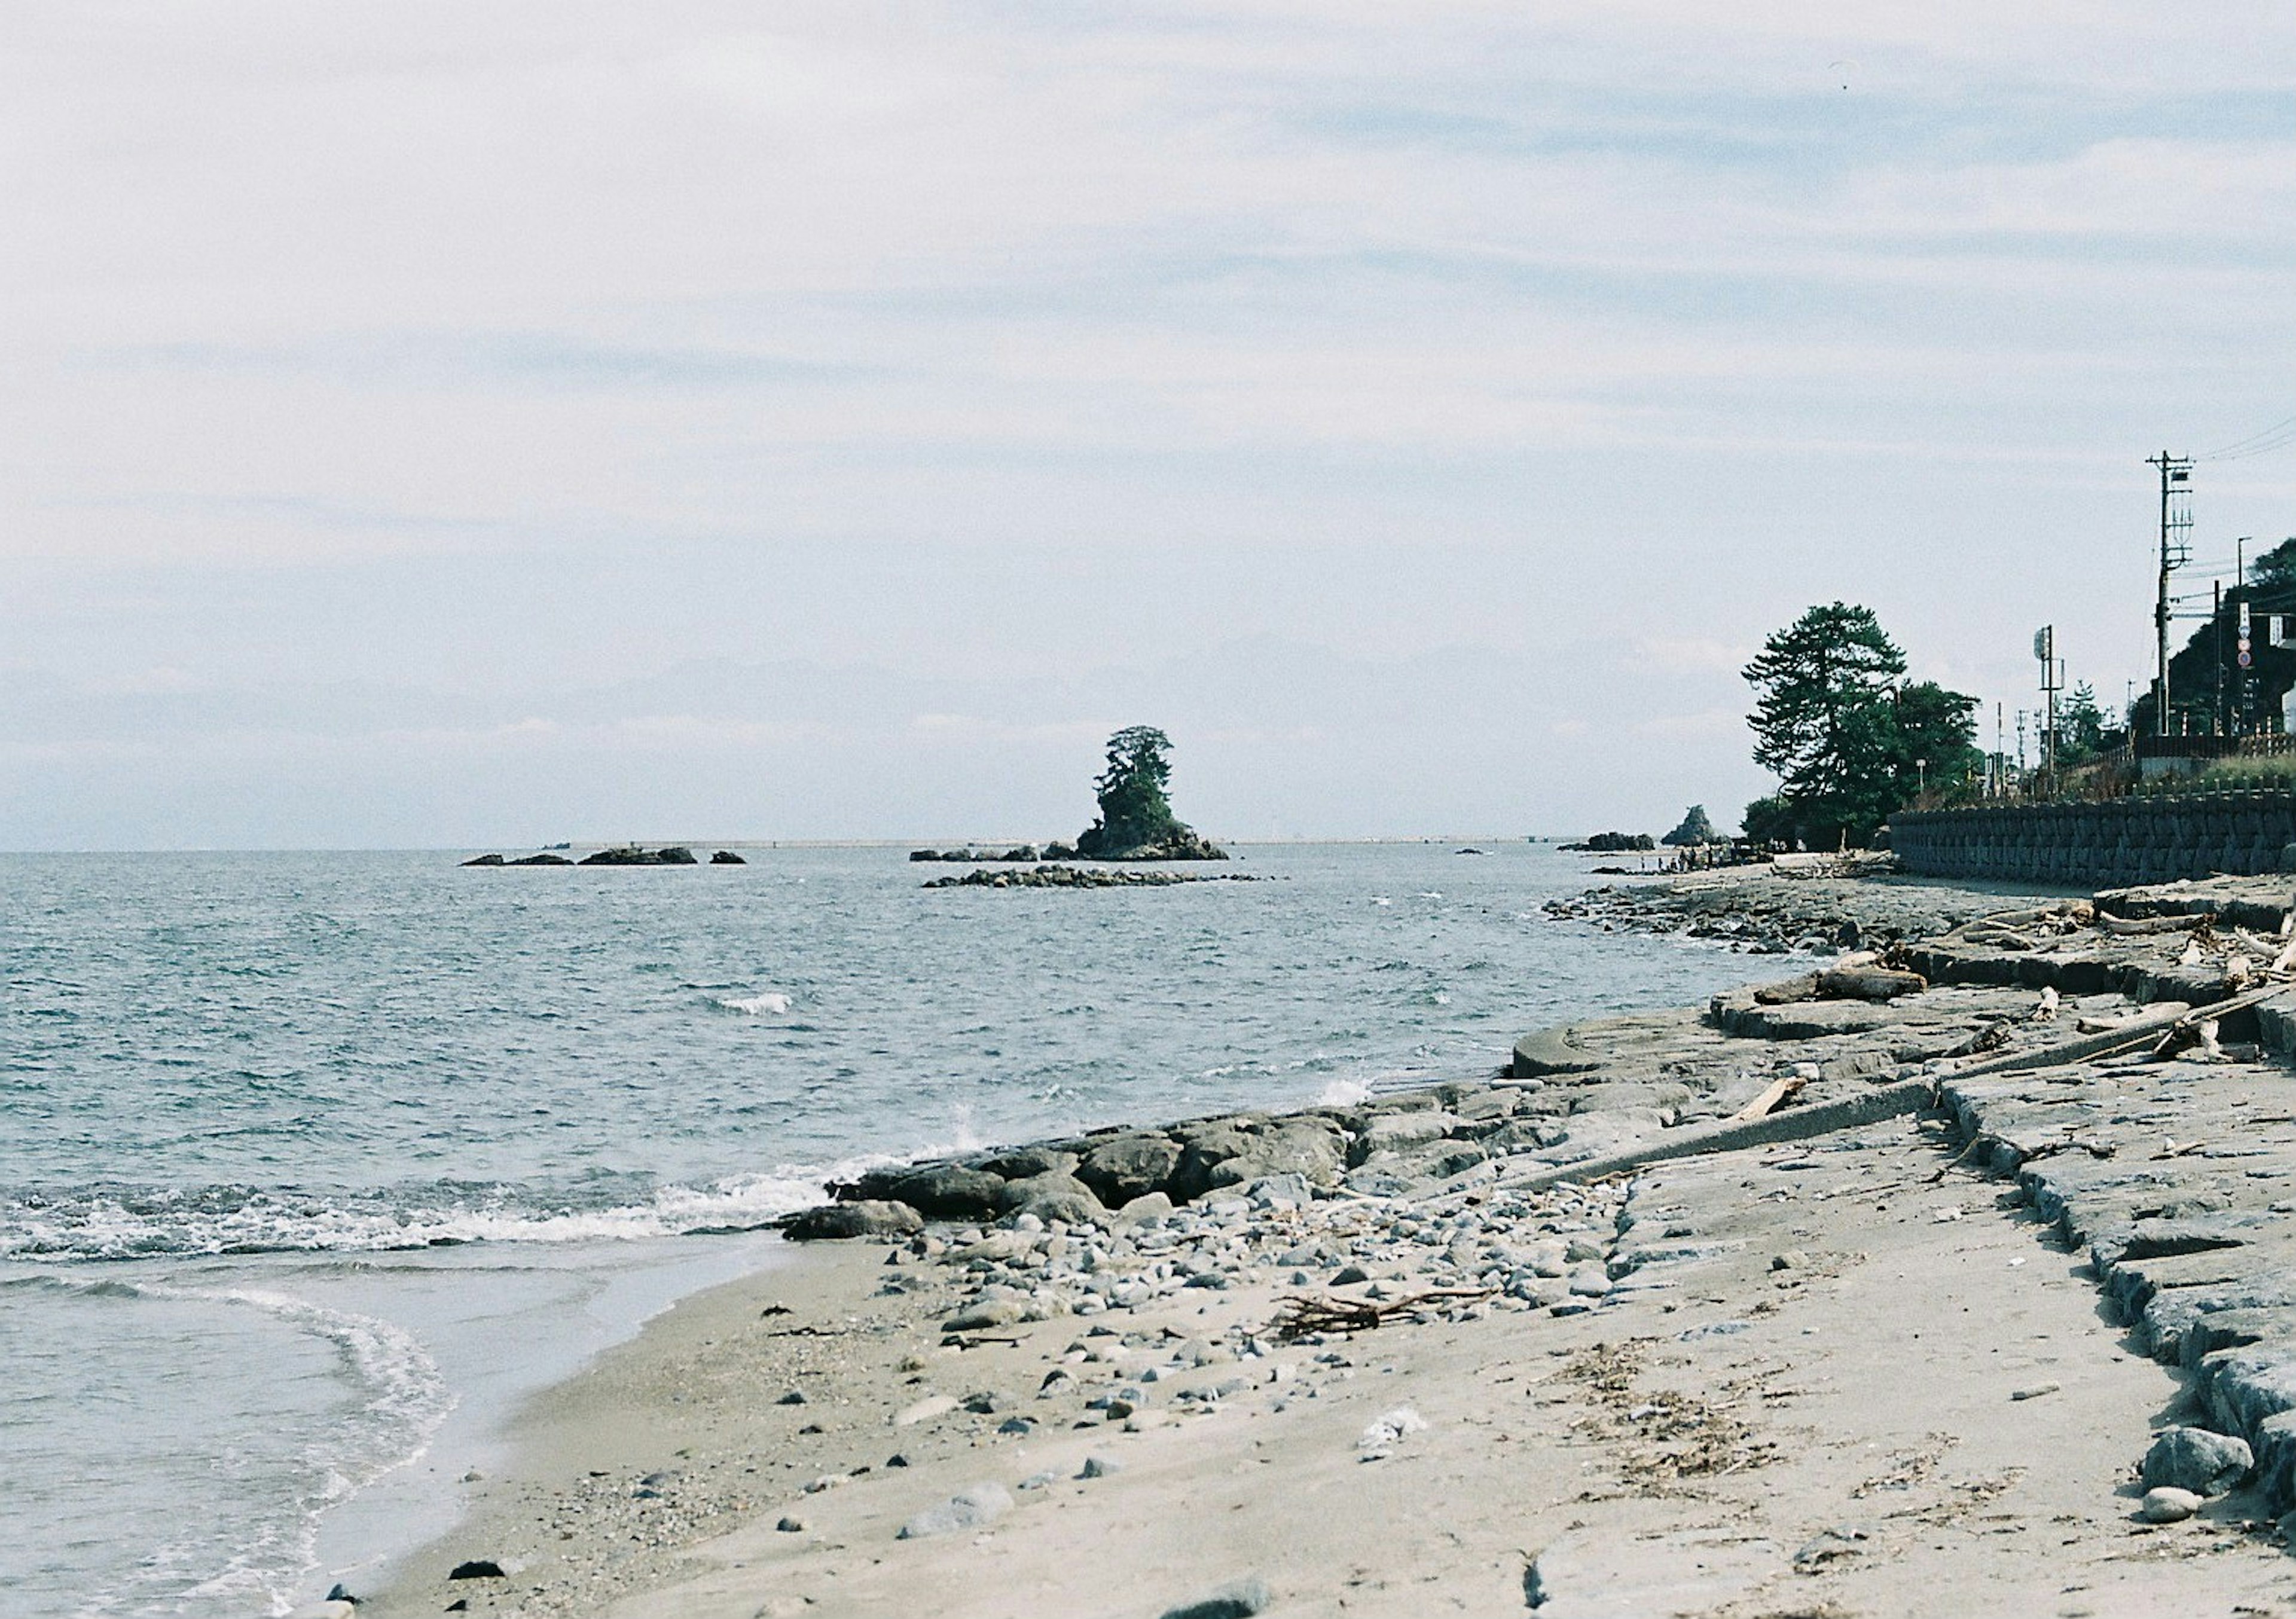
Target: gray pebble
(2170,1505)
(974,1507)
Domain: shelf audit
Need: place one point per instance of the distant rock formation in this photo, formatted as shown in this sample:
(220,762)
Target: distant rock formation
(1022,852)
(528,860)
(1695,829)
(727,857)
(630,854)
(1614,843)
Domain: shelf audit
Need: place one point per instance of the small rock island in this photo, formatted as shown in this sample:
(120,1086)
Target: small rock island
(1136,822)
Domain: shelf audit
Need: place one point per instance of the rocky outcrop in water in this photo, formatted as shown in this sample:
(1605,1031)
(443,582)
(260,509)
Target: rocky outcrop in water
(1614,843)
(630,854)
(528,860)
(1018,852)
(1079,876)
(1183,844)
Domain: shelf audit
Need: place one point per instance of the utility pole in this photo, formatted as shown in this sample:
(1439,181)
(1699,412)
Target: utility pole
(2241,706)
(2175,550)
(2045,647)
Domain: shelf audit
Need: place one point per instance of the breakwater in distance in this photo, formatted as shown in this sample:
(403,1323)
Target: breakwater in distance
(2113,844)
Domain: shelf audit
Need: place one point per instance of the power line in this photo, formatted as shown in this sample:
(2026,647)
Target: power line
(2278,435)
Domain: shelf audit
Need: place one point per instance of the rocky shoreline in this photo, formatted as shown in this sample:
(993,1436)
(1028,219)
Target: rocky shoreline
(1809,904)
(1709,1244)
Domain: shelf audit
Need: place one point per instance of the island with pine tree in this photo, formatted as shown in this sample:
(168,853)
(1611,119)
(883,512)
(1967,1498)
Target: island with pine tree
(1136,820)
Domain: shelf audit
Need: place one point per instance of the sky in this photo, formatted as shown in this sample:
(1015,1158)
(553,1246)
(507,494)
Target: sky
(482,424)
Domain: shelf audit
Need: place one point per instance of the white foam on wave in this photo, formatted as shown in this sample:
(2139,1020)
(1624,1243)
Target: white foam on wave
(765,1003)
(104,1228)
(1343,1093)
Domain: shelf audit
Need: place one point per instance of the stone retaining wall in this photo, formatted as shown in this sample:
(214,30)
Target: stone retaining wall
(2093,846)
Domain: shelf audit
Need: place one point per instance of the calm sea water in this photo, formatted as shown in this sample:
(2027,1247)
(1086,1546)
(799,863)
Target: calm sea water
(313,1164)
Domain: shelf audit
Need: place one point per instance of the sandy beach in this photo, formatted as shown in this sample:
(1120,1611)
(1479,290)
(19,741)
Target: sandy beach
(1899,1367)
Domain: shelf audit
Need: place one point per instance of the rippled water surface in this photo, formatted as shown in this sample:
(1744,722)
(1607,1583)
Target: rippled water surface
(248,1097)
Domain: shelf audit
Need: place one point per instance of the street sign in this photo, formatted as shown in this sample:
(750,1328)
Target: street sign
(2044,643)
(2244,658)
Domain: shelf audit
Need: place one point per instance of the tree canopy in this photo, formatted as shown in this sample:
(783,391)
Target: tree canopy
(2274,569)
(2080,727)
(1849,740)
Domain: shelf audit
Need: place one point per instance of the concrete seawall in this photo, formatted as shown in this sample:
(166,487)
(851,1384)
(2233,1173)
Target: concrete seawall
(2113,844)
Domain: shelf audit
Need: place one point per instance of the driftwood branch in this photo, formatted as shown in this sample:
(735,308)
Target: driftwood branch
(1302,1314)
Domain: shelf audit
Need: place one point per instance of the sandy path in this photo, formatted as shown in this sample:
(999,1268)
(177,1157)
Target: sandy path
(1719,1436)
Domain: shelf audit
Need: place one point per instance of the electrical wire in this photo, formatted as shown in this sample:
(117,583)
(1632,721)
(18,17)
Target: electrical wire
(2278,435)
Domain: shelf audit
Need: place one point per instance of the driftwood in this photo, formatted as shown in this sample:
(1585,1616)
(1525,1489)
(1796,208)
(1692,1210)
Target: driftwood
(1869,983)
(1773,1097)
(1301,1314)
(1788,991)
(2131,926)
(2077,912)
(2148,1027)
(1999,938)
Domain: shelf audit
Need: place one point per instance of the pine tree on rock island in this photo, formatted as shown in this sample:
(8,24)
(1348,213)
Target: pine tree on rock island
(1136,821)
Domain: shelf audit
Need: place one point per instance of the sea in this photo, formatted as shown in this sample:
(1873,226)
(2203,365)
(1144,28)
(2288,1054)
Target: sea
(314,1166)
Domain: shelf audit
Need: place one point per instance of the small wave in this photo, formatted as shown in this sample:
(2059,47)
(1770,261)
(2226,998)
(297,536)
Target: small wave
(405,1399)
(1343,1093)
(765,1004)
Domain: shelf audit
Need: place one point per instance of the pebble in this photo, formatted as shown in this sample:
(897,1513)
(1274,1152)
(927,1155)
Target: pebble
(2170,1505)
(792,1525)
(974,1507)
(930,1406)
(1239,1600)
(1100,1465)
(2034,1391)
(988,1313)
